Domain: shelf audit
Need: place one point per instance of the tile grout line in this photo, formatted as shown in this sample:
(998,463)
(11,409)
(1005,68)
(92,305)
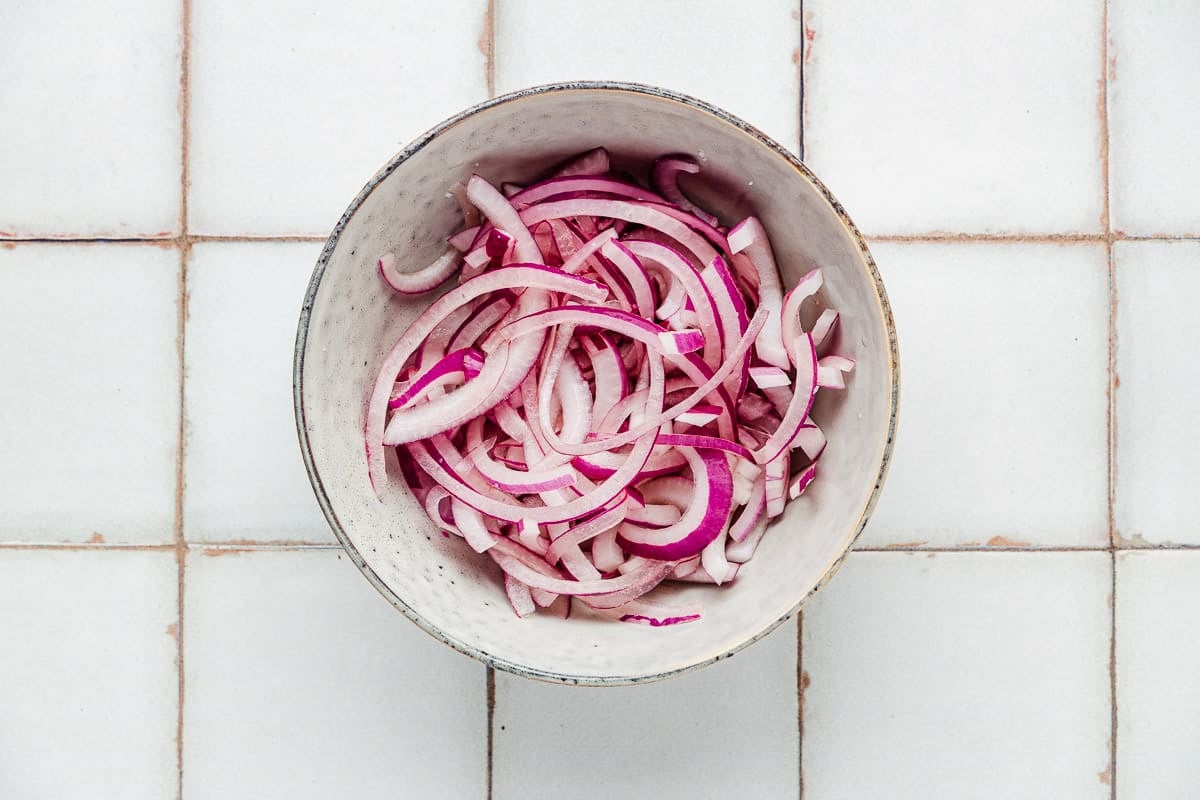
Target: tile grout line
(1112,680)
(930,237)
(491,727)
(802,49)
(801,679)
(985,549)
(1111,389)
(968,238)
(487,46)
(185,252)
(246,545)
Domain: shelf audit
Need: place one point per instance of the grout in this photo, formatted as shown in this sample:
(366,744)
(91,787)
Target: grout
(487,46)
(245,545)
(800,62)
(1111,389)
(803,49)
(931,237)
(1119,236)
(1023,238)
(491,726)
(160,241)
(801,680)
(183,240)
(223,548)
(985,549)
(803,56)
(299,237)
(185,252)
(84,546)
(185,115)
(1112,682)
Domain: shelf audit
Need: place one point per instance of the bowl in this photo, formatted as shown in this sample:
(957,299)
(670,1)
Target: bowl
(350,319)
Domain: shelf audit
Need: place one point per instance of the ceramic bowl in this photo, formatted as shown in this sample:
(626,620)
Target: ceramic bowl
(350,319)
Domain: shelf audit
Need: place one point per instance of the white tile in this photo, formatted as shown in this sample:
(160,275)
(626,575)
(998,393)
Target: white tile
(1158,658)
(88,686)
(295,106)
(742,60)
(981,675)
(1157,424)
(1153,116)
(302,682)
(245,479)
(1003,411)
(89,405)
(89,117)
(726,730)
(948,116)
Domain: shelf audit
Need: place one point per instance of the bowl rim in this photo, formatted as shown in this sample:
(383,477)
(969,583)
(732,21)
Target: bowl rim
(414,147)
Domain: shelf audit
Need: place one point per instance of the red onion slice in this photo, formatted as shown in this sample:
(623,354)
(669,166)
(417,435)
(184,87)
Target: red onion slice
(422,280)
(612,394)
(665,176)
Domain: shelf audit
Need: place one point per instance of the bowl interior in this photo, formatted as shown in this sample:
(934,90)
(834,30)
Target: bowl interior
(351,320)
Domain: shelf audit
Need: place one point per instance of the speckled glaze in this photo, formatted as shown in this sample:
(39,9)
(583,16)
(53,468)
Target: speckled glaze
(349,320)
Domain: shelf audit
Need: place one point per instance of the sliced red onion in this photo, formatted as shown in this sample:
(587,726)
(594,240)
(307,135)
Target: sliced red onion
(830,371)
(570,187)
(611,395)
(461,364)
(743,551)
(469,211)
(470,522)
(801,481)
(805,288)
(462,240)
(593,162)
(500,212)
(824,327)
(714,562)
(801,403)
(775,475)
(641,214)
(810,439)
(665,176)
(755,510)
(519,596)
(769,377)
(706,517)
(748,236)
(422,280)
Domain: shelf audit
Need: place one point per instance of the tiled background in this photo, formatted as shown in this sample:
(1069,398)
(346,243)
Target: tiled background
(1020,619)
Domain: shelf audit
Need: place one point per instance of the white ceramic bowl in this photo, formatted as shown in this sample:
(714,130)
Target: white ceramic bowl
(350,319)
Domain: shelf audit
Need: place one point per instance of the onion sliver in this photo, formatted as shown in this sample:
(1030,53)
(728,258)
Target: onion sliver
(615,394)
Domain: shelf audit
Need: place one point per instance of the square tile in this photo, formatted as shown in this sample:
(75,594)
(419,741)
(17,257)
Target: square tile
(302,682)
(1153,116)
(89,117)
(295,107)
(947,116)
(717,732)
(1157,426)
(1158,658)
(744,61)
(245,479)
(89,408)
(1003,416)
(88,685)
(981,675)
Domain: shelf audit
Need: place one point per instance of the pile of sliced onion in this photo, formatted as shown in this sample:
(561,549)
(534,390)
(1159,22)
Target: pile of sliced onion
(616,393)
